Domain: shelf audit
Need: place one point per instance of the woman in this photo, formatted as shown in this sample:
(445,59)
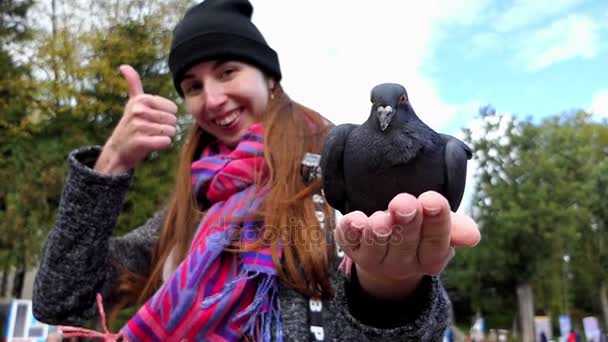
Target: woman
(241,249)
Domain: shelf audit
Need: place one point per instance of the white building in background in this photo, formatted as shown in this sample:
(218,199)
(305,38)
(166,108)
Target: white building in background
(17,322)
(28,286)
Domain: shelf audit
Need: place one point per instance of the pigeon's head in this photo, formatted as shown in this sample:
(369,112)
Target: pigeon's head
(387,99)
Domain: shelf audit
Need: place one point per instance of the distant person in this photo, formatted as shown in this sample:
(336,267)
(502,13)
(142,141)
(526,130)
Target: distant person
(448,336)
(492,336)
(572,336)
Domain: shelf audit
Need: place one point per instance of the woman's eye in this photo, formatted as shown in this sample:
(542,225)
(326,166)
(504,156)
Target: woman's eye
(191,88)
(228,72)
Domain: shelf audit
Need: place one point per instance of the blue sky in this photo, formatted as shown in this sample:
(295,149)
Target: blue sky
(526,58)
(530,61)
(529,58)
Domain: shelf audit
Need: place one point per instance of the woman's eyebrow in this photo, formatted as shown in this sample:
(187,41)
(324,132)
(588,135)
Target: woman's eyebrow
(218,64)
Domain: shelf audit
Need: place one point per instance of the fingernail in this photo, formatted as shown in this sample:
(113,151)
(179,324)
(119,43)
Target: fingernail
(356,226)
(406,217)
(432,211)
(383,232)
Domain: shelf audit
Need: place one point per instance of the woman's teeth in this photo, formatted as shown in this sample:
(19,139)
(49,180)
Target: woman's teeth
(227,120)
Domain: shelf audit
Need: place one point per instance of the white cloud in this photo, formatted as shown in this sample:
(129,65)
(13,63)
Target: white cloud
(333,52)
(467,197)
(486,41)
(538,35)
(463,12)
(477,132)
(599,103)
(524,13)
(574,36)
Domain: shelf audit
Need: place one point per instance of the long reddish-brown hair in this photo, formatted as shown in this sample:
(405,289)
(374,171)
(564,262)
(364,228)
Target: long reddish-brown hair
(290,130)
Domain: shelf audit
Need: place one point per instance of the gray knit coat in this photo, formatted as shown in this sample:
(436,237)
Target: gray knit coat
(80,252)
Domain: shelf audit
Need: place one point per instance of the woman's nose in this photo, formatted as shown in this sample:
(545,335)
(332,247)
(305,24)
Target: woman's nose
(215,96)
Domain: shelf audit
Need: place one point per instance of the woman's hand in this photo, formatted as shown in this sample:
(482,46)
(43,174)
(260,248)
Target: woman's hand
(147,125)
(394,249)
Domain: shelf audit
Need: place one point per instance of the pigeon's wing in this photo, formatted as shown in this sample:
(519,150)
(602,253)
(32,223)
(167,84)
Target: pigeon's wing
(456,155)
(332,166)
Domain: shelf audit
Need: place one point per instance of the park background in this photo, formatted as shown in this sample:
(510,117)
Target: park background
(523,83)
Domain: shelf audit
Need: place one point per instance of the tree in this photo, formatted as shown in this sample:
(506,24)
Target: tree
(14,123)
(532,202)
(76,99)
(595,239)
(13,75)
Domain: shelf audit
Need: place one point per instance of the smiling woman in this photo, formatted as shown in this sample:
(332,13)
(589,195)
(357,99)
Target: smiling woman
(245,246)
(225,98)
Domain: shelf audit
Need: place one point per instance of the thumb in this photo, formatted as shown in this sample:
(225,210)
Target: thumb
(133,80)
(465,232)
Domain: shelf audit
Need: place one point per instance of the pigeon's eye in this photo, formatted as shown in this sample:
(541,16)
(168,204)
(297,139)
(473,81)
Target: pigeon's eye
(402,99)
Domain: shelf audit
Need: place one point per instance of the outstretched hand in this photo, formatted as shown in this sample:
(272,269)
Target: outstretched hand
(394,249)
(147,125)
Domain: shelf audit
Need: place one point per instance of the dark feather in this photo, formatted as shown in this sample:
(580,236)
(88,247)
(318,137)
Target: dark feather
(365,166)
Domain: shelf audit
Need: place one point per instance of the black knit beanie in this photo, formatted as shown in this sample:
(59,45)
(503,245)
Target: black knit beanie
(220,29)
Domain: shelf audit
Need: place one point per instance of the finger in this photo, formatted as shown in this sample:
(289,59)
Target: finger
(155,116)
(148,128)
(166,130)
(349,230)
(160,103)
(133,80)
(406,212)
(375,241)
(434,246)
(465,232)
(153,143)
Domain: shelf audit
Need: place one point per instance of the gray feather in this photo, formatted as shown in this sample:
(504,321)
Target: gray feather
(365,166)
(457,154)
(332,166)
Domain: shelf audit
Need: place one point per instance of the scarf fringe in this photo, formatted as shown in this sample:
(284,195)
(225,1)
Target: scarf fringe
(264,310)
(346,265)
(106,335)
(211,300)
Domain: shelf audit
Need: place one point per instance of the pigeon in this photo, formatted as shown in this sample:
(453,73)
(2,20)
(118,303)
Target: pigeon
(365,166)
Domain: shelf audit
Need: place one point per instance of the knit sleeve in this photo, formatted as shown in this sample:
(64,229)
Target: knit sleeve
(422,317)
(79,254)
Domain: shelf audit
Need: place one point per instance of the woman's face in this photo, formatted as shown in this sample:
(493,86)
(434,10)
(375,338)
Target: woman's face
(225,98)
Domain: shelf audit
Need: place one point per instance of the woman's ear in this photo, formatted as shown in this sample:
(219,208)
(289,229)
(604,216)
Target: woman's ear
(271,85)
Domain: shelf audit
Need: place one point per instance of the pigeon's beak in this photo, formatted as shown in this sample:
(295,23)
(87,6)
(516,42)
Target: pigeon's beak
(385,115)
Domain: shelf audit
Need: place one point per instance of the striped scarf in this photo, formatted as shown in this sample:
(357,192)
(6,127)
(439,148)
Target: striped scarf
(216,295)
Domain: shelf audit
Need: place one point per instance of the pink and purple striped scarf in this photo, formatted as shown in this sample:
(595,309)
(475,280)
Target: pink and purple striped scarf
(216,295)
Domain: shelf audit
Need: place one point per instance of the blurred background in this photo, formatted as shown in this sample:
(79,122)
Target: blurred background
(523,83)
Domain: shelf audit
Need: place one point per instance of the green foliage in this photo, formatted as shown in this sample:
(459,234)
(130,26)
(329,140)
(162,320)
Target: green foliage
(540,194)
(15,128)
(75,99)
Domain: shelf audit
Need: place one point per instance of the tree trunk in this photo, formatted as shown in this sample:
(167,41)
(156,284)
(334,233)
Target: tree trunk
(604,301)
(525,299)
(3,283)
(18,281)
(515,328)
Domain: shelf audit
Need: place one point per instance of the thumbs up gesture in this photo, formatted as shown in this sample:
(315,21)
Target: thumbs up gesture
(147,125)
